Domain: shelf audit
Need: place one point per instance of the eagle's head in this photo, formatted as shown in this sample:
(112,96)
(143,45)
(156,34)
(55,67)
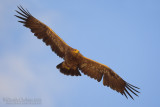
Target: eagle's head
(75,51)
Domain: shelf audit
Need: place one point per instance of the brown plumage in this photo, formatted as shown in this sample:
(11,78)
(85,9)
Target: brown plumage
(74,62)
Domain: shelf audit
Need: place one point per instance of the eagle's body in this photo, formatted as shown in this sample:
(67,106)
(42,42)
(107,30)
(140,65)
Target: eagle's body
(70,64)
(74,61)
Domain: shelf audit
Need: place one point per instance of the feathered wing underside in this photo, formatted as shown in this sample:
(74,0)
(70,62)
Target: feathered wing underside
(110,78)
(42,31)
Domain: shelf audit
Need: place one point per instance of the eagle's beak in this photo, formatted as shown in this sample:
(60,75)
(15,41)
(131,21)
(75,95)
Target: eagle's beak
(76,51)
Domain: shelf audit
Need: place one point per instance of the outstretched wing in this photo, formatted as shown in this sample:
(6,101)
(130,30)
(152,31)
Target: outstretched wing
(42,31)
(110,78)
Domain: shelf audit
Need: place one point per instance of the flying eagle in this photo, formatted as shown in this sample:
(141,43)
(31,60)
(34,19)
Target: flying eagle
(74,61)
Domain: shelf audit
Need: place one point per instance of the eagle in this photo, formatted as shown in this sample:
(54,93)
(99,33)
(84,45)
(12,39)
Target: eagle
(74,61)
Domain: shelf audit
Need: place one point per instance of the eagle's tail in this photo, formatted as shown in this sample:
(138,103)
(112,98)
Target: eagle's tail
(67,71)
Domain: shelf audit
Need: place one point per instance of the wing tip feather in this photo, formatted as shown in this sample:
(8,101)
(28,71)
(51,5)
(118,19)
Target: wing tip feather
(131,88)
(23,12)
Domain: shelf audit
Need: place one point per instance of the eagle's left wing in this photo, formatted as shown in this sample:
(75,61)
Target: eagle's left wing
(110,78)
(42,31)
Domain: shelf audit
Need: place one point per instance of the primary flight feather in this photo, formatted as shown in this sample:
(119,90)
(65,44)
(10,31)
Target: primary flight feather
(74,61)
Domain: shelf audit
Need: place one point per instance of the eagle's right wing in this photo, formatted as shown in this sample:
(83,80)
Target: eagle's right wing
(110,78)
(42,31)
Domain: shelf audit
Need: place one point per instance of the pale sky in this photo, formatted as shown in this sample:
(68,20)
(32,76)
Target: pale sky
(123,34)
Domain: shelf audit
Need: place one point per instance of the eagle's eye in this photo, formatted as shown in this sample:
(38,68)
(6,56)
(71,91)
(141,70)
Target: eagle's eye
(76,51)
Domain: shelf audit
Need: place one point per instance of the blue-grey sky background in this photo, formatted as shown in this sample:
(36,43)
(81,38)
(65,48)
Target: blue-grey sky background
(123,34)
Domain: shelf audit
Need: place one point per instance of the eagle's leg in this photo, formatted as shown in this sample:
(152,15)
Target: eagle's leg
(67,70)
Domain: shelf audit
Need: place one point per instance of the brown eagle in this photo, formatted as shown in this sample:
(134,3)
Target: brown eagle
(74,61)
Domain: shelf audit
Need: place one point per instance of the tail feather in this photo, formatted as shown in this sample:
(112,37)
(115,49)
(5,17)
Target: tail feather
(68,72)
